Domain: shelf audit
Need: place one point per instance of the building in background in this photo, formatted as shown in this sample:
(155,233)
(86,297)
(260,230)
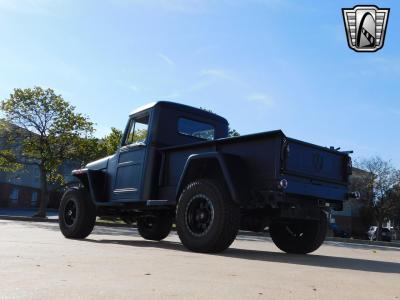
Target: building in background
(21,188)
(351,221)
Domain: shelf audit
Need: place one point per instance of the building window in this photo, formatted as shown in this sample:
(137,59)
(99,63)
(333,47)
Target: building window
(36,172)
(14,195)
(34,199)
(196,129)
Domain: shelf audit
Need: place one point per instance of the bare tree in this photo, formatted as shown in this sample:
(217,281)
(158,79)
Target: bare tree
(378,189)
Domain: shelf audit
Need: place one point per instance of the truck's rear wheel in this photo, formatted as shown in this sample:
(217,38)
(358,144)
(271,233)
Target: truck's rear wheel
(77,214)
(155,228)
(299,236)
(207,220)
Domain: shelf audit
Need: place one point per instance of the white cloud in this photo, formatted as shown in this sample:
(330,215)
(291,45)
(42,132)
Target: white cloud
(389,64)
(372,66)
(218,73)
(200,85)
(31,7)
(172,96)
(395,111)
(261,98)
(133,87)
(166,59)
(209,6)
(127,85)
(183,6)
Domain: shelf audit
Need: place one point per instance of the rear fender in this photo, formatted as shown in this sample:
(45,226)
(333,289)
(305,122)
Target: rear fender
(224,167)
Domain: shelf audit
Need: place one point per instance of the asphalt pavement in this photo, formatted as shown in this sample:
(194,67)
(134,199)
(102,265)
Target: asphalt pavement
(37,262)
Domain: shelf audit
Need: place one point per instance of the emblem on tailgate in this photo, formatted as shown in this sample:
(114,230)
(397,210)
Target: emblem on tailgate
(318,162)
(365,27)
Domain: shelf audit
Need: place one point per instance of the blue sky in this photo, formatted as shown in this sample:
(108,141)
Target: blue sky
(263,65)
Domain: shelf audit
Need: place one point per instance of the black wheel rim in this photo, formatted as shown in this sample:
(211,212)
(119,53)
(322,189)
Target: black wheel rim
(148,222)
(199,215)
(294,231)
(70,213)
(299,229)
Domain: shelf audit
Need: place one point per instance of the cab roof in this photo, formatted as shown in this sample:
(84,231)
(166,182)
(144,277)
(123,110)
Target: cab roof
(181,107)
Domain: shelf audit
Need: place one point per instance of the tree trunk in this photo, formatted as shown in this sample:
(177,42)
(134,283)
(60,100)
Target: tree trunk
(43,195)
(379,229)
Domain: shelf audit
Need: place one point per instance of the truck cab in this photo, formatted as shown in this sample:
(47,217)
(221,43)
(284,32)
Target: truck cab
(133,171)
(176,164)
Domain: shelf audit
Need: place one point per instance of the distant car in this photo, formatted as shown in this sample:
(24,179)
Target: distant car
(371,232)
(386,234)
(337,231)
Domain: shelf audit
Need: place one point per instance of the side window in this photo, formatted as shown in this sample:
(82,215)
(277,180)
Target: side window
(137,131)
(196,129)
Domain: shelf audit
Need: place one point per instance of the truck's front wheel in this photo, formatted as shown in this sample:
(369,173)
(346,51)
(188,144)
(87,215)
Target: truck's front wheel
(207,220)
(299,236)
(77,214)
(155,228)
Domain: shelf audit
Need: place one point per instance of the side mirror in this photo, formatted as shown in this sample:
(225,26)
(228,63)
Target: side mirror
(139,144)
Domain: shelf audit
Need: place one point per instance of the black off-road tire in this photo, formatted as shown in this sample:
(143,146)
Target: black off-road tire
(207,220)
(77,214)
(299,236)
(155,228)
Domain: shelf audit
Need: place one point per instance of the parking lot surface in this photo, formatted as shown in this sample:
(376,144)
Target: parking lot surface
(37,262)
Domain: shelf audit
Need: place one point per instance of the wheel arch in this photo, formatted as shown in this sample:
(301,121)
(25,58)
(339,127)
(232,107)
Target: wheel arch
(95,183)
(215,165)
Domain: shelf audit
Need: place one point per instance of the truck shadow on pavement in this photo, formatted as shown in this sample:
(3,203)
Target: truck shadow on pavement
(313,260)
(316,260)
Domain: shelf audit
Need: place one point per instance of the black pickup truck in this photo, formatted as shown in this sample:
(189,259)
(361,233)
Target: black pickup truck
(176,164)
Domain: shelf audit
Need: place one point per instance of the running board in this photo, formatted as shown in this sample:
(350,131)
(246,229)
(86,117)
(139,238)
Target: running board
(159,203)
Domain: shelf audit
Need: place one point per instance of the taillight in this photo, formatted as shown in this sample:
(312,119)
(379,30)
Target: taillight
(283,184)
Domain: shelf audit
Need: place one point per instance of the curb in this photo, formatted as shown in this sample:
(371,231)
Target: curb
(47,220)
(28,219)
(363,242)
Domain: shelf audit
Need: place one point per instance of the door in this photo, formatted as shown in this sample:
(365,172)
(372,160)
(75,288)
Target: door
(131,158)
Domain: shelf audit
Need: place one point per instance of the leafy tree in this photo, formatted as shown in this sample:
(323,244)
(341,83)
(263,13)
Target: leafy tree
(88,150)
(111,142)
(378,189)
(7,157)
(94,148)
(233,132)
(91,149)
(50,131)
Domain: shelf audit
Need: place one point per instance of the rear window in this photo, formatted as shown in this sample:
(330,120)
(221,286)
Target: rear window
(196,129)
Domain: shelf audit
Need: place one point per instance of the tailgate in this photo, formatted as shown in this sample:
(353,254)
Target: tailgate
(311,161)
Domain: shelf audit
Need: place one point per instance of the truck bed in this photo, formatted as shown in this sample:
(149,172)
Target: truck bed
(266,158)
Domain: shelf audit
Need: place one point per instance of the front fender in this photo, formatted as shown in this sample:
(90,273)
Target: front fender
(95,182)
